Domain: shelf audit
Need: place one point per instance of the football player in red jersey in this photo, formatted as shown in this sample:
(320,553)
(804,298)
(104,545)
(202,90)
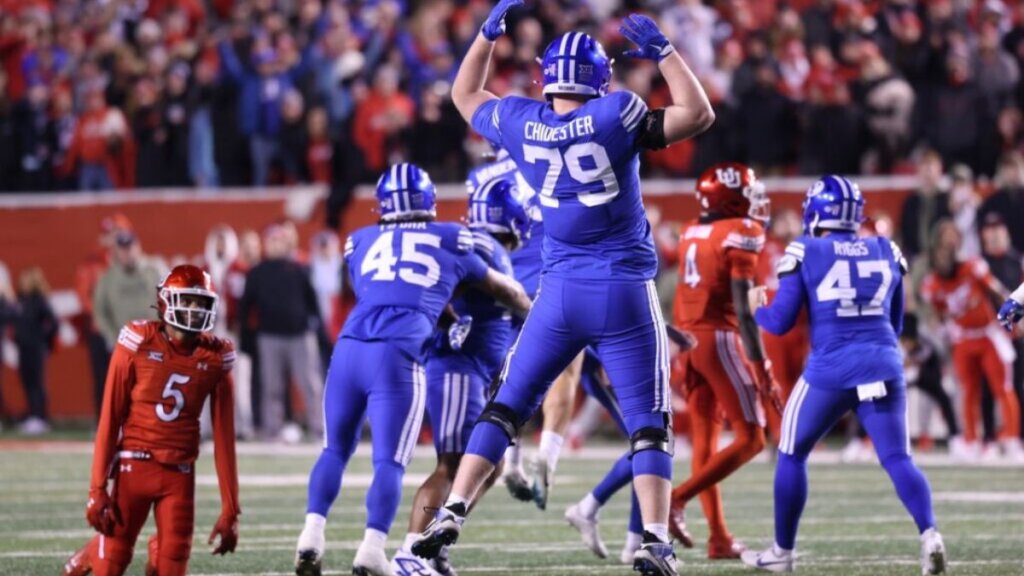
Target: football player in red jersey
(727,369)
(161,373)
(964,294)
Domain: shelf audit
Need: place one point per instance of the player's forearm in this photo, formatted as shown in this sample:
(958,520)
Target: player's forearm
(468,89)
(781,315)
(749,332)
(224,457)
(691,112)
(507,291)
(116,396)
(1018,295)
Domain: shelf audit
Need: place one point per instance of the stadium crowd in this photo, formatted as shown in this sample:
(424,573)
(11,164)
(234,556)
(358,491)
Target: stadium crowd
(121,93)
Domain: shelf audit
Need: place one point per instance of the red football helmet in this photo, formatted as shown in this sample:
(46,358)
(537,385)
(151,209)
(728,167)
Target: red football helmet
(186,300)
(732,190)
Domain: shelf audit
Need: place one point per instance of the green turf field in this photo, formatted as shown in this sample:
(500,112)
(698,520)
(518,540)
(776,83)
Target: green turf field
(853,524)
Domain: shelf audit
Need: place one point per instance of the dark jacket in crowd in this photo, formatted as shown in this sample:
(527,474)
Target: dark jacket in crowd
(1008,203)
(1007,268)
(36,145)
(35,323)
(920,213)
(767,123)
(280,293)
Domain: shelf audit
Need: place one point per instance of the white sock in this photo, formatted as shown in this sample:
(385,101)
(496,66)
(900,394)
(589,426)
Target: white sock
(589,506)
(780,551)
(659,530)
(410,539)
(633,541)
(375,538)
(454,498)
(928,533)
(550,448)
(312,536)
(513,457)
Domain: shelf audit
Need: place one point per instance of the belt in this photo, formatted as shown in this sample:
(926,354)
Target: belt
(134,455)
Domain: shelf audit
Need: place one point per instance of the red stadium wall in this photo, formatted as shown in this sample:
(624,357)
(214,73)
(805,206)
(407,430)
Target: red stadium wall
(57,232)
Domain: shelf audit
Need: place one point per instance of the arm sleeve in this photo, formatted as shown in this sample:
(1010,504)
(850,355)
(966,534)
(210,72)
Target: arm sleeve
(116,400)
(222,418)
(784,310)
(473,267)
(485,120)
(896,308)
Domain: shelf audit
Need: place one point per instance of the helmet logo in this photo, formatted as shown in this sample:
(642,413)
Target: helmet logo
(731,177)
(818,188)
(551,70)
(586,72)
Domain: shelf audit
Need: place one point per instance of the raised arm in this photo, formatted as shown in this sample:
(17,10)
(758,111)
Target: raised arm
(468,92)
(690,112)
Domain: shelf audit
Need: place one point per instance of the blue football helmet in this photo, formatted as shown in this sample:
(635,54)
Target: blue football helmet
(833,203)
(495,207)
(405,190)
(575,63)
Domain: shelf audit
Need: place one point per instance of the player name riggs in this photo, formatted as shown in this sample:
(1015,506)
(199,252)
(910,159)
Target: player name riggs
(850,248)
(539,132)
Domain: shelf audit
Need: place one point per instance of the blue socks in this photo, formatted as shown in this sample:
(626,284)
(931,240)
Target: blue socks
(384,496)
(913,489)
(325,481)
(619,476)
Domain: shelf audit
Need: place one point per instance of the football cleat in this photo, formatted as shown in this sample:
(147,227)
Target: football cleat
(308,562)
(773,559)
(80,564)
(677,525)
(540,487)
(933,553)
(442,565)
(655,558)
(628,553)
(517,484)
(588,530)
(442,531)
(371,561)
(406,563)
(725,549)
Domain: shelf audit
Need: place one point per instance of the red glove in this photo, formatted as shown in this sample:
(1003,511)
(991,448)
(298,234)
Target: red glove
(227,528)
(101,512)
(766,385)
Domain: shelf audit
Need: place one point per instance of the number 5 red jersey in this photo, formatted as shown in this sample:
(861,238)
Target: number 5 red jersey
(711,255)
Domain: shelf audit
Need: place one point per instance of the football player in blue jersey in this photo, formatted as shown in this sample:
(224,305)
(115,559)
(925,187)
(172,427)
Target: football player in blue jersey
(1012,310)
(580,149)
(461,365)
(403,272)
(853,290)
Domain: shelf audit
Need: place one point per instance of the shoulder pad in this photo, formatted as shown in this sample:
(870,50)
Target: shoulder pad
(464,240)
(791,259)
(632,110)
(483,244)
(897,255)
(134,333)
(745,235)
(350,246)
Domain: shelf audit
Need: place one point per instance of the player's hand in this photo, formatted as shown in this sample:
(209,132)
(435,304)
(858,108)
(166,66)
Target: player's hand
(101,513)
(681,338)
(227,528)
(757,297)
(767,388)
(494,26)
(459,331)
(651,42)
(1010,313)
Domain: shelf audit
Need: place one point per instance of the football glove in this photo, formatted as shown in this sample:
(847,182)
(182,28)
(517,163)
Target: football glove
(1010,313)
(494,26)
(227,529)
(101,513)
(767,388)
(459,331)
(651,42)
(681,338)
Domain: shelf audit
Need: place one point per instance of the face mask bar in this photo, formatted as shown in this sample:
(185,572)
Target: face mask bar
(185,317)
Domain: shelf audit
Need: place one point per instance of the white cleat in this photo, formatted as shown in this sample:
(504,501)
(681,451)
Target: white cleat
(628,553)
(933,553)
(773,559)
(309,552)
(541,484)
(406,563)
(588,531)
(371,561)
(518,485)
(1013,450)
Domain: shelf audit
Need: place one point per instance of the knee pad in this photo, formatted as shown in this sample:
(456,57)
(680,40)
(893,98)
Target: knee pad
(503,417)
(651,438)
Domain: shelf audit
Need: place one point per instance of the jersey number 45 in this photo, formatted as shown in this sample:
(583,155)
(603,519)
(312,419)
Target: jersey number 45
(381,261)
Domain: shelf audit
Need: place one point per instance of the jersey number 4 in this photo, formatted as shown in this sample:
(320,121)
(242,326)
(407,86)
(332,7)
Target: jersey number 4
(573,161)
(171,392)
(837,285)
(380,259)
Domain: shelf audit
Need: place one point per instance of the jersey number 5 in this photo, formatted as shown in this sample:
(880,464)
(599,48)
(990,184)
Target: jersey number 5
(837,285)
(171,392)
(380,259)
(574,155)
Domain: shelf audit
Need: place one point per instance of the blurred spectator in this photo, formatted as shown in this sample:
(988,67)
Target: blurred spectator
(325,272)
(955,113)
(125,291)
(293,138)
(833,132)
(175,119)
(767,122)
(437,134)
(1008,199)
(926,206)
(36,138)
(150,137)
(219,253)
(963,205)
(279,293)
(102,148)
(691,26)
(320,149)
(35,332)
(202,165)
(888,102)
(380,118)
(242,331)
(8,310)
(87,277)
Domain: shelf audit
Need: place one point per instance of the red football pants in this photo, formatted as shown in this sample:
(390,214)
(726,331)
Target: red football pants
(979,357)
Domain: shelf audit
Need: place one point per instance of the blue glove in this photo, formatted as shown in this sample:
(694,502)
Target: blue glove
(1010,313)
(642,31)
(459,331)
(494,26)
